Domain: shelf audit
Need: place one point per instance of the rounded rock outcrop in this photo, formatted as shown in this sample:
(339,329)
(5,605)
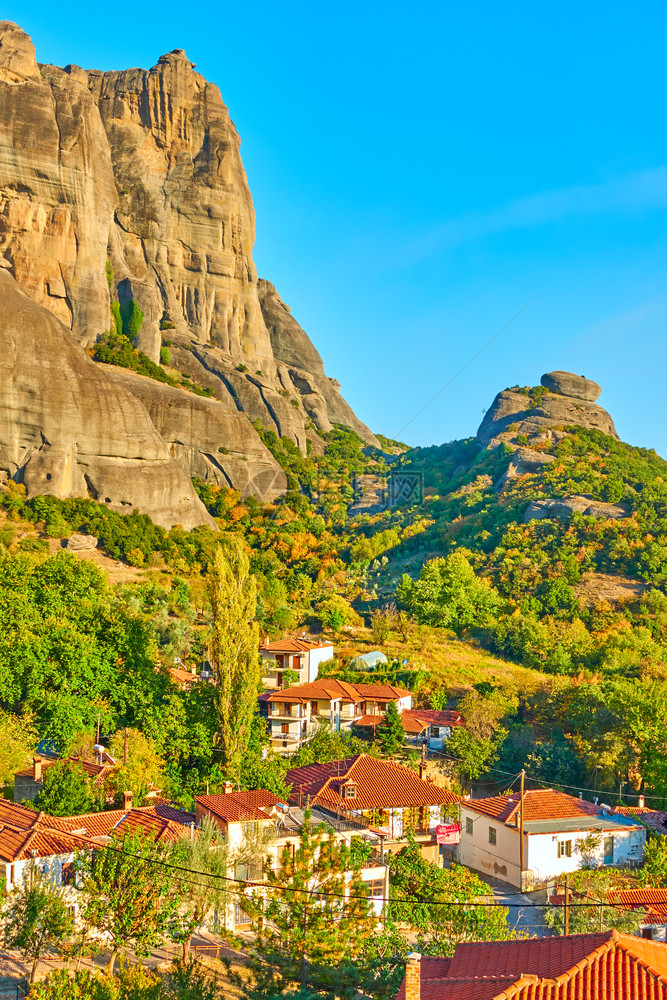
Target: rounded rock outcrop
(524,415)
(568,384)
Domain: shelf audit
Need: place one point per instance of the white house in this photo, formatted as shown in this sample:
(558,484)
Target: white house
(430,726)
(300,655)
(379,794)
(260,814)
(294,712)
(554,826)
(50,843)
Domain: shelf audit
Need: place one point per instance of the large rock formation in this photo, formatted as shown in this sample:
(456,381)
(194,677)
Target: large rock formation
(68,429)
(568,400)
(141,168)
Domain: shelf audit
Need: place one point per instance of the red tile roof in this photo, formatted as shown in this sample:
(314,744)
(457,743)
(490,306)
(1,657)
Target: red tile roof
(300,644)
(654,901)
(434,717)
(96,772)
(369,720)
(331,689)
(155,821)
(577,967)
(381,784)
(182,676)
(654,819)
(23,830)
(541,804)
(238,807)
(25,834)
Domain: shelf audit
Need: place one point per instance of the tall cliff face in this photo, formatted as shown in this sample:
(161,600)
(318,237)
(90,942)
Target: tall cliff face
(57,189)
(142,168)
(67,429)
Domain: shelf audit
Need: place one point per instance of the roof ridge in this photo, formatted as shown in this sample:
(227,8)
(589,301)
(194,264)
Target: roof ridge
(623,942)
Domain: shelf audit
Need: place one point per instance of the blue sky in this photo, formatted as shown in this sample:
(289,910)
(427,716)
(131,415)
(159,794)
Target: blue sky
(421,172)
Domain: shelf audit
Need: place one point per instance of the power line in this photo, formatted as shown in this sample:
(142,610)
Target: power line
(467,365)
(248,884)
(561,784)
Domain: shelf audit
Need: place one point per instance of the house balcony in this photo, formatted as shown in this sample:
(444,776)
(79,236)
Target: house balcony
(287,712)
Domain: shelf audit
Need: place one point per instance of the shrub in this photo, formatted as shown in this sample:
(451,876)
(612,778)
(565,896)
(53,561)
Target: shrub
(165,356)
(132,318)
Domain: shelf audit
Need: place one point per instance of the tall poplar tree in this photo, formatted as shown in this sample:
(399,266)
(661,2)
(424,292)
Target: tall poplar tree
(234,649)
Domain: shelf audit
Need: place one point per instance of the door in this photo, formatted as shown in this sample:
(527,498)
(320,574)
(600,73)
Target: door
(284,727)
(608,848)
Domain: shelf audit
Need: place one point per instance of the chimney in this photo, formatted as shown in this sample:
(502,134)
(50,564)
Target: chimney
(413,976)
(227,787)
(640,801)
(36,768)
(127,801)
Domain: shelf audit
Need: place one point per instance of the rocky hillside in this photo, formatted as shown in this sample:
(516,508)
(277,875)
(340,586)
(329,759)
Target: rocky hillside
(544,490)
(125,191)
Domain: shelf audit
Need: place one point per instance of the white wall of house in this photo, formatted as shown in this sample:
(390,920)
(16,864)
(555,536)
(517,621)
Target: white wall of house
(317,657)
(476,851)
(541,851)
(658,932)
(51,867)
(438,742)
(543,859)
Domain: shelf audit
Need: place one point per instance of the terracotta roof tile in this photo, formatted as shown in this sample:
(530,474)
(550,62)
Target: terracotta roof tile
(369,720)
(541,804)
(381,784)
(23,831)
(434,717)
(97,772)
(293,645)
(654,819)
(577,967)
(236,807)
(330,688)
(182,676)
(654,901)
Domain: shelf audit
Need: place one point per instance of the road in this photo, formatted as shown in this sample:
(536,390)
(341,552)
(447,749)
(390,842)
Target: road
(523,916)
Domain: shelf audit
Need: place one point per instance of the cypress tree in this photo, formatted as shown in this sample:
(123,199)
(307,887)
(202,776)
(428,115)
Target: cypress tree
(234,650)
(390,732)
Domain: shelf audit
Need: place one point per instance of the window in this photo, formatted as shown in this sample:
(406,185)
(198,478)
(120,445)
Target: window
(67,873)
(564,848)
(350,790)
(375,888)
(469,826)
(492,834)
(249,871)
(240,916)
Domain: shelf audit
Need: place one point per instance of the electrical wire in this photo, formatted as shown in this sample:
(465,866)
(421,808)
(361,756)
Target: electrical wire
(248,884)
(550,784)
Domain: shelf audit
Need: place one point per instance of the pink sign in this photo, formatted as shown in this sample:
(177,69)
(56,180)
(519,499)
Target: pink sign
(450,834)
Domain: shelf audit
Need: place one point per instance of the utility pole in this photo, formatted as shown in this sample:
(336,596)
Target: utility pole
(567,904)
(521,857)
(98,728)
